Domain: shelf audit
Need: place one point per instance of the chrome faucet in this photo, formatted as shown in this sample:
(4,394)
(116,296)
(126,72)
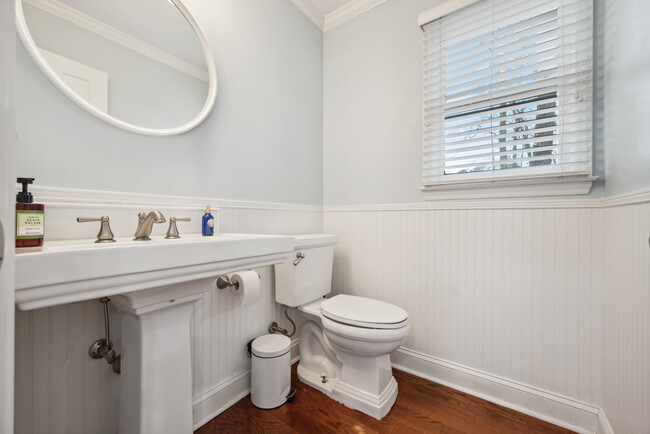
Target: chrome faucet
(145,224)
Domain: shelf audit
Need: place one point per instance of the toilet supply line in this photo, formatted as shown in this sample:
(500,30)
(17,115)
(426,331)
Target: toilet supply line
(274,327)
(103,348)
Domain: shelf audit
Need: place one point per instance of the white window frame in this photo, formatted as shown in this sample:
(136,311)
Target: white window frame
(526,186)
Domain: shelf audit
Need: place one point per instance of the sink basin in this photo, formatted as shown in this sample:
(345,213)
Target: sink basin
(68,271)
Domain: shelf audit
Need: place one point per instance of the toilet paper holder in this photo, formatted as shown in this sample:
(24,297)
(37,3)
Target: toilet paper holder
(223,282)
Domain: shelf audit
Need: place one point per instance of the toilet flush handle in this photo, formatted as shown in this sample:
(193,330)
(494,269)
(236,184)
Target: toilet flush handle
(299,257)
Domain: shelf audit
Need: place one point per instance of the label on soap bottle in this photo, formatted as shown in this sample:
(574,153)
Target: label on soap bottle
(29,224)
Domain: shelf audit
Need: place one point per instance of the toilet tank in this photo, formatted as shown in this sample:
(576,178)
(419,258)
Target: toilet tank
(311,278)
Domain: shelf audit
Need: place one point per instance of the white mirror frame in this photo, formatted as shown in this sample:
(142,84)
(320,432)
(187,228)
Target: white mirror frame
(32,49)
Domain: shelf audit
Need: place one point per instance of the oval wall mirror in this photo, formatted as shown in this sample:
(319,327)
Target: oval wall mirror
(141,65)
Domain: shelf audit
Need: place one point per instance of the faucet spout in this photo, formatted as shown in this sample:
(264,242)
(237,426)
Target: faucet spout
(145,225)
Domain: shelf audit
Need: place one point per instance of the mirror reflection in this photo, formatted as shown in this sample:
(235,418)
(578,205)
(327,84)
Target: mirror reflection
(138,61)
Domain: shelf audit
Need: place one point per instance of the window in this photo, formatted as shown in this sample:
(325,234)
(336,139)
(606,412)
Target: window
(508,99)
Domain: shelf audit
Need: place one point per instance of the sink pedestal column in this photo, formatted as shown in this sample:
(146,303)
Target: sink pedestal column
(156,369)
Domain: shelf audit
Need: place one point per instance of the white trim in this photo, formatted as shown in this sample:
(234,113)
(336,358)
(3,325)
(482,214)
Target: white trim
(313,13)
(215,401)
(637,198)
(32,49)
(510,188)
(471,205)
(544,405)
(627,199)
(446,8)
(349,11)
(338,16)
(8,97)
(603,424)
(57,197)
(112,34)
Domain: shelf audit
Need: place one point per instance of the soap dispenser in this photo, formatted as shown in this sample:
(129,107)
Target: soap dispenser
(30,218)
(207,224)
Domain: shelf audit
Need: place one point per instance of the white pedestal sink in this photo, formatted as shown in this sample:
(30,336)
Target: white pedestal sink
(156,382)
(154,284)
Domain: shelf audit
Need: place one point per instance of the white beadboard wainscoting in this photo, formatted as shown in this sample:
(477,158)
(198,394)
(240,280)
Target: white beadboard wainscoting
(491,293)
(59,389)
(626,320)
(541,306)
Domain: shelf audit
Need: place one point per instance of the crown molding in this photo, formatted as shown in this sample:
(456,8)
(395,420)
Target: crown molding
(91,24)
(439,11)
(349,11)
(312,12)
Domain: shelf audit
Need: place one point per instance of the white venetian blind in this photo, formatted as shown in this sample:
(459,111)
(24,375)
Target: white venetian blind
(508,91)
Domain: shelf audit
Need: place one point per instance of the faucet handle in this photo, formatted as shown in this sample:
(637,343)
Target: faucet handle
(172,232)
(105,235)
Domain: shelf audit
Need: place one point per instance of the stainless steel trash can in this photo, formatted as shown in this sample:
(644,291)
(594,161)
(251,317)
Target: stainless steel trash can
(270,371)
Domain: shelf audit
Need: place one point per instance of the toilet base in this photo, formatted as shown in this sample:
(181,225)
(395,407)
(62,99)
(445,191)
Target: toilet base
(373,405)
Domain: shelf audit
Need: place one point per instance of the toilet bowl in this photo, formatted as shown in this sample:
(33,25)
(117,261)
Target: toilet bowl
(345,344)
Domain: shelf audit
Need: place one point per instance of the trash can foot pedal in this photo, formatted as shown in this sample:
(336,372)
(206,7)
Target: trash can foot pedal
(291,396)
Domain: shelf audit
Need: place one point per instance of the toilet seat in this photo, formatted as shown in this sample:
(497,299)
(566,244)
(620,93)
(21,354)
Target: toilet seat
(363,312)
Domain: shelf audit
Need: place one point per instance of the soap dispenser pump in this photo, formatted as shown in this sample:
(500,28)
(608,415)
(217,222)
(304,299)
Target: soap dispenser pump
(30,218)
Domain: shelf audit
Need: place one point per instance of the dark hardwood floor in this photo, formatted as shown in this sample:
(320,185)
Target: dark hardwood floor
(421,407)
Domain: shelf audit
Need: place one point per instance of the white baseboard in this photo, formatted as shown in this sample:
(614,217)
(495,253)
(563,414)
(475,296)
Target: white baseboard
(603,424)
(222,396)
(556,409)
(218,399)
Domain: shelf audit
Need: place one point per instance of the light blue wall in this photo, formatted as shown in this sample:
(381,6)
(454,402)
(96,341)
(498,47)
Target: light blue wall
(627,96)
(373,108)
(262,141)
(279,89)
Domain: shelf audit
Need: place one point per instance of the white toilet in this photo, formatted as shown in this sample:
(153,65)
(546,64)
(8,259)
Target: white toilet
(345,344)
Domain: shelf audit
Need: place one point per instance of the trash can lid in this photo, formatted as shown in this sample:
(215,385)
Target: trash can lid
(271,345)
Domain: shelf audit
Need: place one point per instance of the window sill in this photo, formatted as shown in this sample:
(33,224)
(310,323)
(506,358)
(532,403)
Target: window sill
(513,188)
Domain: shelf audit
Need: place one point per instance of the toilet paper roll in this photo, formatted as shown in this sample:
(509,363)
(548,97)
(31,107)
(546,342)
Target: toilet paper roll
(248,288)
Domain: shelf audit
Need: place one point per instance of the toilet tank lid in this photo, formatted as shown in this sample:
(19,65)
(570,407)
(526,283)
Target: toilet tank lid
(314,240)
(363,312)
(268,346)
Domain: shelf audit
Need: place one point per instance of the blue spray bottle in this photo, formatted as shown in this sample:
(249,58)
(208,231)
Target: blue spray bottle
(207,225)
